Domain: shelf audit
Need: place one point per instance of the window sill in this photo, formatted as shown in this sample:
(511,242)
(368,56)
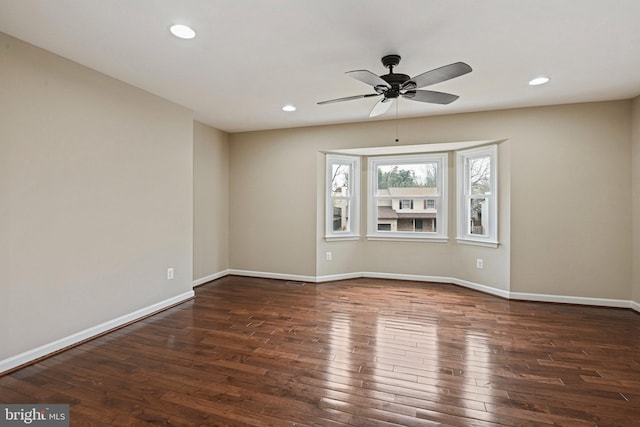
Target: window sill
(483,243)
(341,238)
(421,239)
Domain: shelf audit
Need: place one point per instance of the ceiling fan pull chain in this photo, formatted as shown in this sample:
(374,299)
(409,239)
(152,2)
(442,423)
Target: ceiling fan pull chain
(397,102)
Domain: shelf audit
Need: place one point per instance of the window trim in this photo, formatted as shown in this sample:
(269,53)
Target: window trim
(463,217)
(354,197)
(441,200)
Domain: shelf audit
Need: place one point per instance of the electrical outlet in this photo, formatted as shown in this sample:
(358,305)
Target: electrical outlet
(479,263)
(329,256)
(169,273)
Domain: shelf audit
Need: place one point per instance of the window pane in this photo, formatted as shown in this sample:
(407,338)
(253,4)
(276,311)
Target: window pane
(477,210)
(480,175)
(408,196)
(418,175)
(340,180)
(479,216)
(341,199)
(341,215)
(391,218)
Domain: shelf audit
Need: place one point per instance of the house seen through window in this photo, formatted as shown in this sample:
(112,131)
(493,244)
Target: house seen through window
(477,196)
(342,196)
(405,193)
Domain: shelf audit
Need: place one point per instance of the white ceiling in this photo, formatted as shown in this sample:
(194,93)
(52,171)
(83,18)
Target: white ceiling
(251,57)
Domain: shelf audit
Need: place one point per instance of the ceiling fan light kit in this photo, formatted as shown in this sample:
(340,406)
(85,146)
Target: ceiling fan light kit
(394,85)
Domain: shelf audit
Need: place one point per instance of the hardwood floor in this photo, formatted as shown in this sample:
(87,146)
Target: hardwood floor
(362,352)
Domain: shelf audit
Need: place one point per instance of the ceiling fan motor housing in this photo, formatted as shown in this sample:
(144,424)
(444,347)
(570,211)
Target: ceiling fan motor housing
(395,80)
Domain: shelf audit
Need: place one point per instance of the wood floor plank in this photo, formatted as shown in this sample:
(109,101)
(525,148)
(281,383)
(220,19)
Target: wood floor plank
(363,352)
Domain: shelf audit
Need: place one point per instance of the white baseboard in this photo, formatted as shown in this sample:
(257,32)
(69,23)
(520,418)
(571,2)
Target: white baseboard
(604,302)
(209,278)
(52,347)
(336,277)
(267,275)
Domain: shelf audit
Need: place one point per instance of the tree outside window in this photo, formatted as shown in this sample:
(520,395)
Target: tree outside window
(342,196)
(477,195)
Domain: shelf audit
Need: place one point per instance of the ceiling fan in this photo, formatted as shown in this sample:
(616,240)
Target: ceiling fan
(393,85)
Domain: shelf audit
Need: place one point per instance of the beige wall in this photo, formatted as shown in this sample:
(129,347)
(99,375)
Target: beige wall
(272,201)
(571,211)
(635,167)
(210,200)
(96,190)
(565,210)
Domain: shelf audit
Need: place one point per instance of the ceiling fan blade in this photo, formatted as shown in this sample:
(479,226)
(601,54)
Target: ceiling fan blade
(438,75)
(381,107)
(348,98)
(430,96)
(367,77)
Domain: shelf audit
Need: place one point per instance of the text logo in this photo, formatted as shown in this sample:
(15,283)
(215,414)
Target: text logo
(42,415)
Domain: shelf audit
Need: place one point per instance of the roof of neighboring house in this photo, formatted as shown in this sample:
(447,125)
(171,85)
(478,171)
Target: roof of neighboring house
(408,191)
(385,212)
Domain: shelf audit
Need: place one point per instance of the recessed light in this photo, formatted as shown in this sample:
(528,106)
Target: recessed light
(538,81)
(182,31)
(288,108)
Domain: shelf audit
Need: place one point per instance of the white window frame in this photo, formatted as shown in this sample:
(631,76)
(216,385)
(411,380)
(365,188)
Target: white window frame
(441,199)
(490,238)
(353,162)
